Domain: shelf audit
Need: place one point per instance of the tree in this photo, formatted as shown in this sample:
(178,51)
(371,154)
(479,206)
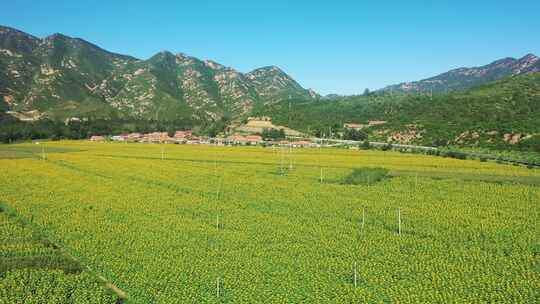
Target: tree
(387,147)
(365,145)
(366,92)
(281,133)
(213,132)
(354,134)
(273,134)
(171,130)
(530,144)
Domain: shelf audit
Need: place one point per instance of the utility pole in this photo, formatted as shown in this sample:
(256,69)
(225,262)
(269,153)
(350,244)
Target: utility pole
(290,157)
(281,167)
(355,276)
(399,221)
(290,146)
(320,164)
(363,218)
(217,287)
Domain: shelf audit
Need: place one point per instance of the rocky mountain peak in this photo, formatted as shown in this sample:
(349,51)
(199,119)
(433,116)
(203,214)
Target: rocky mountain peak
(463,78)
(184,59)
(529,59)
(57,36)
(214,65)
(267,69)
(163,55)
(530,56)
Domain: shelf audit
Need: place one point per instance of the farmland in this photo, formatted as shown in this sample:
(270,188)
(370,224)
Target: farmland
(207,224)
(34,270)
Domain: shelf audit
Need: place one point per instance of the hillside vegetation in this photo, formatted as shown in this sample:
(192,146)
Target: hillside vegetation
(503,115)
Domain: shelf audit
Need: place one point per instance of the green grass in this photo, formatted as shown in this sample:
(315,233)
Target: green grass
(365,176)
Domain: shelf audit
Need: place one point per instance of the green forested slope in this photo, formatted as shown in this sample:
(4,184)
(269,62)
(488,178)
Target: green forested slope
(481,116)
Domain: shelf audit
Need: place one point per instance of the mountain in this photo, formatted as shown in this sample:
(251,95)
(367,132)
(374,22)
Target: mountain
(61,77)
(463,78)
(69,79)
(270,82)
(502,114)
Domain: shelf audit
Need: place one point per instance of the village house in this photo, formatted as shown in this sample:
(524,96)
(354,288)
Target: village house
(156,137)
(197,140)
(254,139)
(355,126)
(119,138)
(236,139)
(134,136)
(218,141)
(301,144)
(376,122)
(204,140)
(183,134)
(97,138)
(284,142)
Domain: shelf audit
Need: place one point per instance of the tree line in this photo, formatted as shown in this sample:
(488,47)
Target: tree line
(12,129)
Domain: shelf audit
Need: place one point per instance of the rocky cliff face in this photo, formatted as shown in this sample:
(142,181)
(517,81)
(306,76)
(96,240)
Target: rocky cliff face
(64,77)
(463,78)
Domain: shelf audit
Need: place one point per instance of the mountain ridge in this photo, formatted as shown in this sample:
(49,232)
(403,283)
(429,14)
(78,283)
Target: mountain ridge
(63,77)
(463,78)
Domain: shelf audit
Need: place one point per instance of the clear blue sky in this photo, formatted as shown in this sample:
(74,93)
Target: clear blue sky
(330,46)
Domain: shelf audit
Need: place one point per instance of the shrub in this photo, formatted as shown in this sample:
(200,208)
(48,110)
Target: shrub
(456,155)
(365,145)
(353,134)
(365,176)
(387,147)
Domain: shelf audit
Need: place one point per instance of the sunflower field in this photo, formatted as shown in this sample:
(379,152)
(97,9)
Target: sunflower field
(208,224)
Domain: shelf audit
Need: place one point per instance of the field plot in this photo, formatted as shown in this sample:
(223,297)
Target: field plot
(205,224)
(34,270)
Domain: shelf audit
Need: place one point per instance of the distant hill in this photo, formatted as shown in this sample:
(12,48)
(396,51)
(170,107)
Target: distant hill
(464,78)
(501,114)
(62,78)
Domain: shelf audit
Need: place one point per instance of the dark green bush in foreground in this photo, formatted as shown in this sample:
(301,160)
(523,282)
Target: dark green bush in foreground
(365,176)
